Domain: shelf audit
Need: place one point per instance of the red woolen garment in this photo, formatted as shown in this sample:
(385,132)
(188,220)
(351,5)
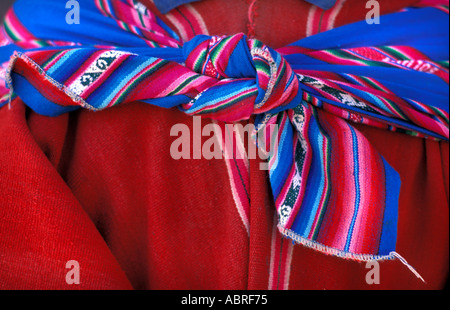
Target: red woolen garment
(102,188)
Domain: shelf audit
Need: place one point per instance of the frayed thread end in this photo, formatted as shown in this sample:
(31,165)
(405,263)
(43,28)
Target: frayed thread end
(404,262)
(346,255)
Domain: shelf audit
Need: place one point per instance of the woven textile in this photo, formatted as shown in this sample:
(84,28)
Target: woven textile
(164,6)
(332,190)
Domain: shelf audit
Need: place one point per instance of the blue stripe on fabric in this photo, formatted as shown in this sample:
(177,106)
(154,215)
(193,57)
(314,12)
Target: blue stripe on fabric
(280,170)
(421,23)
(419,86)
(367,97)
(357,188)
(323,4)
(107,31)
(67,65)
(388,237)
(168,102)
(7,51)
(219,93)
(126,71)
(35,100)
(279,149)
(314,185)
(70,63)
(170,31)
(167,53)
(240,64)
(390,120)
(165,6)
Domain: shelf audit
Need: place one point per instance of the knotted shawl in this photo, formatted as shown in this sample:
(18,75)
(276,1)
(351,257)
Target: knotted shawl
(332,190)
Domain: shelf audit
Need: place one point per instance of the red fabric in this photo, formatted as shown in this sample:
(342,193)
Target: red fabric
(101,188)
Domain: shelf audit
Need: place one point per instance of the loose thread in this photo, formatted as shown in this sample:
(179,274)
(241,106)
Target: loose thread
(404,262)
(332,251)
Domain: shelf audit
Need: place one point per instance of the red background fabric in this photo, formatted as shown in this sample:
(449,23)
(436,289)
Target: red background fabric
(101,188)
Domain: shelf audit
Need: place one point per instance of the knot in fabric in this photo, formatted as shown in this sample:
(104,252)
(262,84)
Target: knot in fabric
(247,70)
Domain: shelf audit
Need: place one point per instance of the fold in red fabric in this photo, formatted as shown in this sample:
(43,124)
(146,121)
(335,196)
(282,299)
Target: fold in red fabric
(118,204)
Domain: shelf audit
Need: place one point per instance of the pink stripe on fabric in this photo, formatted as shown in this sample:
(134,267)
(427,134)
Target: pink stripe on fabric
(188,22)
(334,13)
(281,250)
(285,263)
(51,63)
(131,81)
(324,190)
(273,268)
(199,19)
(312,21)
(307,163)
(20,31)
(236,185)
(364,177)
(179,24)
(340,220)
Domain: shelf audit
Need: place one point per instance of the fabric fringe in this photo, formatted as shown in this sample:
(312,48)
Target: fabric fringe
(404,262)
